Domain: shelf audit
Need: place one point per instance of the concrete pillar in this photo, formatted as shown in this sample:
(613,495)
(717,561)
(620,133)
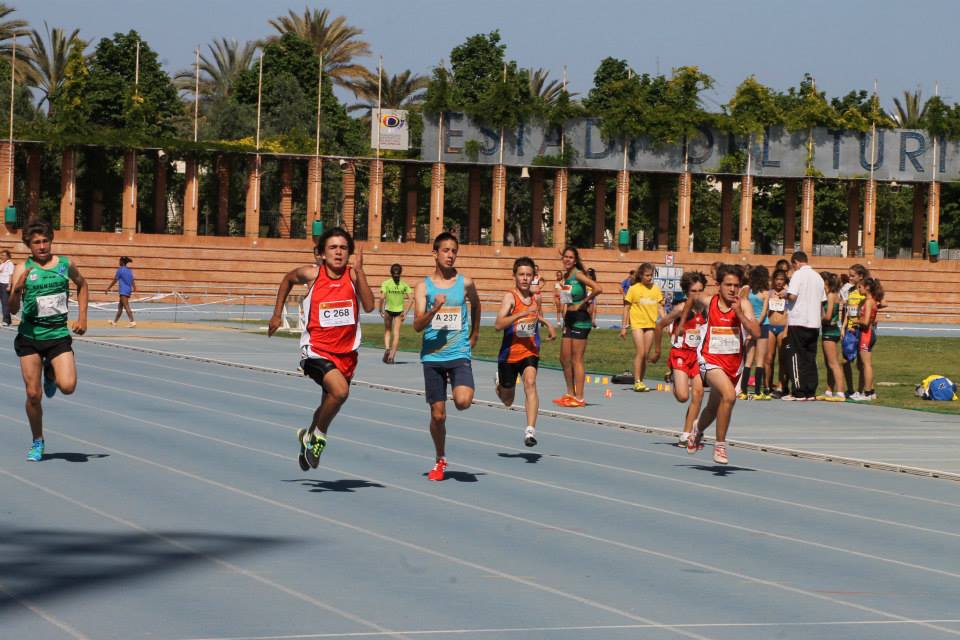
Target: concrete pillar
(437,182)
(919,215)
(498,207)
(536,207)
(684,202)
(746,215)
(853,218)
(128,209)
(560,208)
(191,199)
(806,216)
(623,203)
(68,189)
(473,205)
(870,220)
(314,192)
(349,196)
(33,182)
(286,196)
(160,165)
(251,224)
(663,212)
(412,185)
(789,216)
(223,195)
(600,207)
(726,213)
(933,212)
(375,202)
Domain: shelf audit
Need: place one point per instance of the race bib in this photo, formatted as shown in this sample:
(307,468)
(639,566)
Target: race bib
(776,304)
(52,305)
(692,339)
(526,328)
(448,318)
(724,341)
(338,313)
(566,294)
(853,310)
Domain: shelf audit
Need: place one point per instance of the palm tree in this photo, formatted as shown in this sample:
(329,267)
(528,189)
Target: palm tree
(48,59)
(397,92)
(228,58)
(336,41)
(8,30)
(910,113)
(548,92)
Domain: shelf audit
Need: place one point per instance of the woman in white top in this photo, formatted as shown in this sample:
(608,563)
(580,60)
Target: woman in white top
(6,270)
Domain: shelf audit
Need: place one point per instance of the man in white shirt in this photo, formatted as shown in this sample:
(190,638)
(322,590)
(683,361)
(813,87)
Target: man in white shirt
(6,271)
(805,296)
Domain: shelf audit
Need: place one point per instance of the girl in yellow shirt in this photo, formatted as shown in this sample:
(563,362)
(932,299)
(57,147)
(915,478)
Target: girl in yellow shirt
(642,307)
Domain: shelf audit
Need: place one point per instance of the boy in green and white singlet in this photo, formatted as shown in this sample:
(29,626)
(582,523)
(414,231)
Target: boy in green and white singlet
(43,341)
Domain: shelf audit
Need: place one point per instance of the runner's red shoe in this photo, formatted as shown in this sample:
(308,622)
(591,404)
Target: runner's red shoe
(437,473)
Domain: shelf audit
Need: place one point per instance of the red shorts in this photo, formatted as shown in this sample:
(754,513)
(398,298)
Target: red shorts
(346,363)
(685,360)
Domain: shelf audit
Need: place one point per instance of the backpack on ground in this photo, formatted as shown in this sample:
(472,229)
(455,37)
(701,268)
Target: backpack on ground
(937,387)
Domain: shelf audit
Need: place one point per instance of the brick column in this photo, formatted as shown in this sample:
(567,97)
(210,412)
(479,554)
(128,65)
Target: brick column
(853,218)
(251,225)
(314,192)
(536,207)
(918,219)
(623,204)
(437,179)
(191,199)
(870,220)
(129,206)
(498,207)
(286,196)
(933,212)
(746,215)
(68,189)
(789,216)
(684,202)
(412,185)
(160,165)
(7,181)
(223,195)
(726,213)
(560,208)
(600,207)
(473,205)
(349,179)
(96,210)
(663,213)
(33,182)
(806,217)
(375,202)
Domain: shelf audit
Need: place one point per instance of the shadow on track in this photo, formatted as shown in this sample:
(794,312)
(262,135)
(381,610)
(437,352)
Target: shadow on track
(716,469)
(531,458)
(347,485)
(74,457)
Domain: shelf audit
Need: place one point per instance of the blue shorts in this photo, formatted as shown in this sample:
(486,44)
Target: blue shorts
(459,373)
(775,329)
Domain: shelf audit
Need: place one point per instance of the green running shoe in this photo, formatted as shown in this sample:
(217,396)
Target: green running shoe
(317,444)
(36,451)
(302,458)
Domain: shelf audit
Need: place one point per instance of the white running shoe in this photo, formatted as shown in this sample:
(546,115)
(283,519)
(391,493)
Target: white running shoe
(856,396)
(530,437)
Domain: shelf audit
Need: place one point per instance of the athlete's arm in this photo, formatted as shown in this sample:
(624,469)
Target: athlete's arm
(110,286)
(744,311)
(409,304)
(422,315)
(625,319)
(83,298)
(471,291)
(19,280)
(360,280)
(504,318)
(828,309)
(664,321)
(867,312)
(766,307)
(300,275)
(593,288)
(383,299)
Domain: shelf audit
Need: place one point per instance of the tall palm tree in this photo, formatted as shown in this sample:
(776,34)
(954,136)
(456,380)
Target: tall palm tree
(48,59)
(335,40)
(228,58)
(540,88)
(397,92)
(8,30)
(910,113)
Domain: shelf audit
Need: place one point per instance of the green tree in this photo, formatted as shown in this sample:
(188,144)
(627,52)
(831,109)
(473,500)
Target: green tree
(910,113)
(218,72)
(48,58)
(70,109)
(10,29)
(400,91)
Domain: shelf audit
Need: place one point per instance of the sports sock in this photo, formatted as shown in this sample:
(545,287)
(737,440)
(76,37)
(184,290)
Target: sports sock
(760,380)
(745,380)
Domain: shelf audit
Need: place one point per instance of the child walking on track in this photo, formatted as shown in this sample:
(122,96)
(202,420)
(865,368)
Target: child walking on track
(331,335)
(520,318)
(721,357)
(448,340)
(43,341)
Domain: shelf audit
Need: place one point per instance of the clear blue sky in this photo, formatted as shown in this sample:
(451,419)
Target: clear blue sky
(845,44)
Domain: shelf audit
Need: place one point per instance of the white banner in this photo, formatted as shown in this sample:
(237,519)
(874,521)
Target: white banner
(393,128)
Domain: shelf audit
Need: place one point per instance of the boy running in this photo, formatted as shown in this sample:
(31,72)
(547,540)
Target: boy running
(43,341)
(331,337)
(440,314)
(520,318)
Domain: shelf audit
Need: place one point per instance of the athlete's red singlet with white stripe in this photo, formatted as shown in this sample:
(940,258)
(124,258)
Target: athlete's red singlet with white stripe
(332,321)
(683,353)
(722,343)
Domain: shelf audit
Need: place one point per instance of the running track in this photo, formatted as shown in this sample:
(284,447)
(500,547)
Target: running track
(171,506)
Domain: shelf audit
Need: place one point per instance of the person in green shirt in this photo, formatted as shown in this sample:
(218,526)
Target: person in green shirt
(393,293)
(43,341)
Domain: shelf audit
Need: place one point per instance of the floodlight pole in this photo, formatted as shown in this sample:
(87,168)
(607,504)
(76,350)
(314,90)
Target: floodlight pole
(196,94)
(316,151)
(256,188)
(13,66)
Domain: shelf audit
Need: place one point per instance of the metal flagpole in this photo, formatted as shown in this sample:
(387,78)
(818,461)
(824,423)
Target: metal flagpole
(936,92)
(873,162)
(136,94)
(256,190)
(316,151)
(196,94)
(13,66)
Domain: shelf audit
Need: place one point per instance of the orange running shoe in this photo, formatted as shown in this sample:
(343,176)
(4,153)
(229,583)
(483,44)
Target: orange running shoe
(562,400)
(437,473)
(573,403)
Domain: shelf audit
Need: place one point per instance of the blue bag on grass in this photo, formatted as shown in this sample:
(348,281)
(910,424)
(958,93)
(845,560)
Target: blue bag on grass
(937,387)
(851,344)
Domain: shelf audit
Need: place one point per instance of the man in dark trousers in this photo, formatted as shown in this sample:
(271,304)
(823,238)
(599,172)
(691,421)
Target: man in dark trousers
(805,296)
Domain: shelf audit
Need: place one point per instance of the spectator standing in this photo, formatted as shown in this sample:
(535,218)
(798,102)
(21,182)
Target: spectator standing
(123,278)
(805,296)
(6,271)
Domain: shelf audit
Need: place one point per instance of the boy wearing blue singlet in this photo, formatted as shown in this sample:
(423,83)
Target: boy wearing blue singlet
(441,315)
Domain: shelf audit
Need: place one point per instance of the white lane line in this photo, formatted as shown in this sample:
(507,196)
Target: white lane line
(626,470)
(382,631)
(535,523)
(42,613)
(512,427)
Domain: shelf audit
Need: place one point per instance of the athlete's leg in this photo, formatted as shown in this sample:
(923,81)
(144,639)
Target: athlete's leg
(726,394)
(834,372)
(31,366)
(861,373)
(336,389)
(65,372)
(770,361)
(578,348)
(125,303)
(866,358)
(387,336)
(532,400)
(709,413)
(116,318)
(640,347)
(462,397)
(507,394)
(681,385)
(397,322)
(696,400)
(747,365)
(760,359)
(438,427)
(566,361)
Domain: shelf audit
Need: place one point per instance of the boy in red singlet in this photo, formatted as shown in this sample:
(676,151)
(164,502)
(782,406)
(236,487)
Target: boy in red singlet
(520,318)
(721,357)
(328,346)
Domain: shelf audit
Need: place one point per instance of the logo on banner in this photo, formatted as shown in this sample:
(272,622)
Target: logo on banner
(389,129)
